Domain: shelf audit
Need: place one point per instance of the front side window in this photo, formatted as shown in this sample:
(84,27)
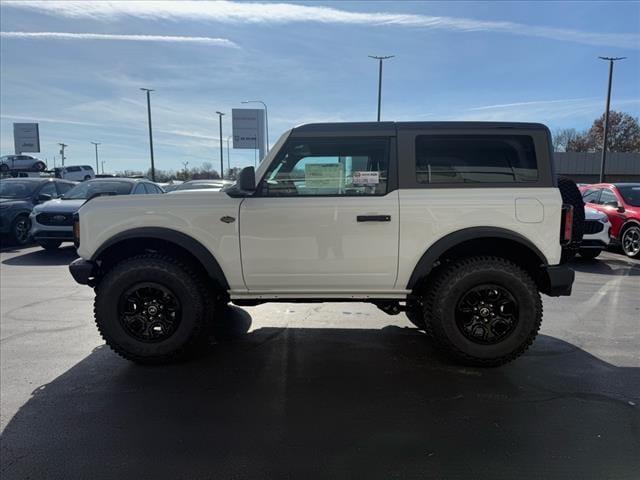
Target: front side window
(329,167)
(607,197)
(475,159)
(591,196)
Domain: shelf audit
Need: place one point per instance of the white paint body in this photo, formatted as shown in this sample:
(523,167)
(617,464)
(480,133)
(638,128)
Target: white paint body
(313,247)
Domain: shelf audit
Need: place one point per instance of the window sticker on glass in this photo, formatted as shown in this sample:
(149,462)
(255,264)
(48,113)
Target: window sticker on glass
(366,178)
(323,175)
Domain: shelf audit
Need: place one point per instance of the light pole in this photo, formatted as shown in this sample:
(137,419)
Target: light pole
(153,168)
(606,115)
(95,144)
(228,155)
(266,118)
(62,147)
(380,59)
(220,115)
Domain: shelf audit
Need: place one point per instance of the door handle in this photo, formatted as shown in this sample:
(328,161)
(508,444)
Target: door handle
(374,218)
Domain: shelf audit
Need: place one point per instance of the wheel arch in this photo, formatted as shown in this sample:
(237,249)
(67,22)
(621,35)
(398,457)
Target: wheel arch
(479,241)
(629,222)
(142,239)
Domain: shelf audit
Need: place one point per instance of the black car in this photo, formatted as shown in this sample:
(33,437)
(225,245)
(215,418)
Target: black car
(18,196)
(52,222)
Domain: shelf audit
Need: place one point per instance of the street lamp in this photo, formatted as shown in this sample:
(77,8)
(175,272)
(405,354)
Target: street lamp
(95,144)
(606,114)
(266,118)
(380,59)
(220,115)
(153,168)
(228,155)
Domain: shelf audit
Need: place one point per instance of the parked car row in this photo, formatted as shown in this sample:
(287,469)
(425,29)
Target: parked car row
(42,209)
(620,203)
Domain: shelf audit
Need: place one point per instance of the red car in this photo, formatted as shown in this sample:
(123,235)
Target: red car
(621,203)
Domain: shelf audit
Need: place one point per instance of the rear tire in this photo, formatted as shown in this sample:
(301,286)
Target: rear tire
(39,166)
(590,254)
(152,309)
(49,245)
(483,311)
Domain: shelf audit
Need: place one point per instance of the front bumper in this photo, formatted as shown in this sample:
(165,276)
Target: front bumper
(83,271)
(558,280)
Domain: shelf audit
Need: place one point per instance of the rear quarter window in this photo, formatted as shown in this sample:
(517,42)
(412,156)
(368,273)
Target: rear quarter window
(474,159)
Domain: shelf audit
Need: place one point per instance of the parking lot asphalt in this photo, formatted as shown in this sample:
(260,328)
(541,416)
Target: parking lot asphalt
(317,390)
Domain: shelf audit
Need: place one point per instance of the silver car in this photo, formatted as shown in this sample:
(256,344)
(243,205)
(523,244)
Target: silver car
(21,162)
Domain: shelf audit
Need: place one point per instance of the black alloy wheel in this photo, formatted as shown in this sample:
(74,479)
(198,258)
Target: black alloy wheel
(487,314)
(149,312)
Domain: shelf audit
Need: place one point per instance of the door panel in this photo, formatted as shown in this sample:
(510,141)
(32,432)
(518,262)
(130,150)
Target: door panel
(317,243)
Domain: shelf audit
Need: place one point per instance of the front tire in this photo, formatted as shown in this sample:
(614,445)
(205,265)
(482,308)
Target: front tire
(152,309)
(590,254)
(483,311)
(630,241)
(20,230)
(50,245)
(39,166)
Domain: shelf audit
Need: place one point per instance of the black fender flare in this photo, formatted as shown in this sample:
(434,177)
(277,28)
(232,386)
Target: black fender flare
(193,246)
(425,264)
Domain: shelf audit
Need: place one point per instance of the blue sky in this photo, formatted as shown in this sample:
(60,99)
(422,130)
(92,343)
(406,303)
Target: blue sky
(76,68)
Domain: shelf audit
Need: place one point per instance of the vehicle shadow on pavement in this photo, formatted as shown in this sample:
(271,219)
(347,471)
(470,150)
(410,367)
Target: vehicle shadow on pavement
(610,266)
(331,403)
(61,256)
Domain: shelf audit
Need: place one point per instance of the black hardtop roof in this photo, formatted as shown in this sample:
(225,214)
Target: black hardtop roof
(389,128)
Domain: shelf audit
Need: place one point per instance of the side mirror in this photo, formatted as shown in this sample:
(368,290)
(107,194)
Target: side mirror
(247,179)
(44,197)
(620,209)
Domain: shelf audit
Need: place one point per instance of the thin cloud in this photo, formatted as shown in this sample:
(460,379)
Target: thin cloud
(220,42)
(526,104)
(281,13)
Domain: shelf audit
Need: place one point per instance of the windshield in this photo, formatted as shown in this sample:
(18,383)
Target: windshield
(17,188)
(88,189)
(631,194)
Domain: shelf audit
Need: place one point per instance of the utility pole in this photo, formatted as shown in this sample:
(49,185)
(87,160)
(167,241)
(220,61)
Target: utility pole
(62,147)
(380,59)
(153,168)
(95,144)
(103,166)
(220,115)
(185,169)
(606,114)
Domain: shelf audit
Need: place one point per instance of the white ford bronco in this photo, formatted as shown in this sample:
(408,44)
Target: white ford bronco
(459,225)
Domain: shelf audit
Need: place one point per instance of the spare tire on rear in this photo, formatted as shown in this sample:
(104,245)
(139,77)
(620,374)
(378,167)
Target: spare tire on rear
(572,196)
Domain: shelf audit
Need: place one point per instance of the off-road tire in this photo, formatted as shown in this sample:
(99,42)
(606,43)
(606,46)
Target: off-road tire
(49,245)
(590,254)
(186,285)
(453,281)
(571,195)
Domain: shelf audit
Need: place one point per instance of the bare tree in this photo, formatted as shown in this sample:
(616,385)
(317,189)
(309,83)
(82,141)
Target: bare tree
(562,138)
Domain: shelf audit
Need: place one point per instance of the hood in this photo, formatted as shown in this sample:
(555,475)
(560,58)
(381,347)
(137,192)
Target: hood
(59,206)
(16,203)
